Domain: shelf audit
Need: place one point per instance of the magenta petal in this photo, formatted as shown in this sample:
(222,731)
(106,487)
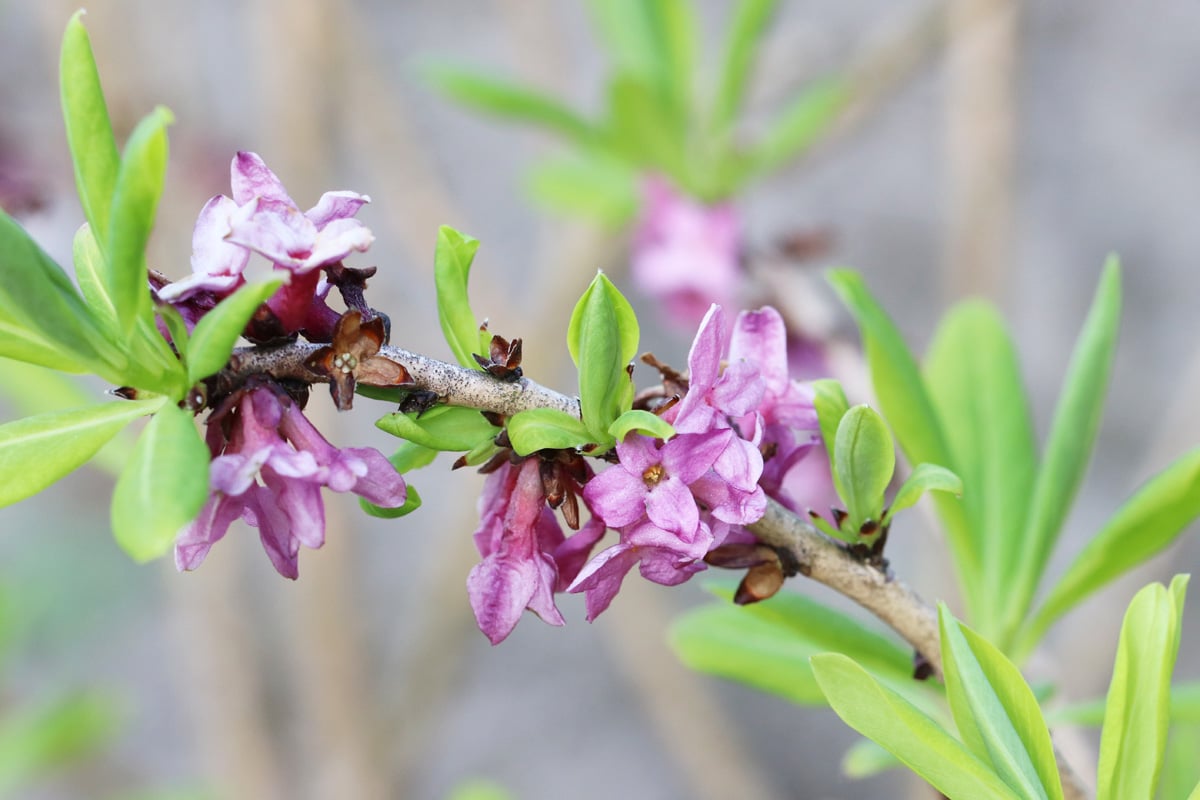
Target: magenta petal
(382,484)
(761,338)
(665,568)
(602,577)
(336,205)
(638,453)
(250,178)
(687,456)
(670,506)
(274,531)
(286,236)
(197,537)
(301,505)
(499,589)
(704,359)
(616,496)
(573,553)
(740,389)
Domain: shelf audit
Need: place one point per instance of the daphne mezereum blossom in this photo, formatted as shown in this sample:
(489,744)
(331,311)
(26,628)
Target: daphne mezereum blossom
(526,557)
(262,217)
(686,254)
(268,468)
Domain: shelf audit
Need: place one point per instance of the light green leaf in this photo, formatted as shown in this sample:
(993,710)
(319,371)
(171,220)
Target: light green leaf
(134,207)
(741,46)
(89,132)
(865,759)
(1184,708)
(644,131)
(412,501)
(38,740)
(163,487)
(91,272)
(478,454)
(925,478)
(829,401)
(909,410)
(546,428)
(767,645)
(1180,769)
(510,101)
(598,187)
(799,125)
(453,428)
(643,422)
(479,790)
(1148,522)
(603,338)
(888,718)
(409,456)
(1069,443)
(864,458)
(974,381)
(37,451)
(452,266)
(1136,712)
(217,331)
(996,712)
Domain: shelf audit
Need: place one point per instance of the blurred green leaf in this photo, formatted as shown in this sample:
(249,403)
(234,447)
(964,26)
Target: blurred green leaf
(510,101)
(1148,522)
(134,207)
(767,645)
(1134,736)
(453,428)
(542,428)
(452,266)
(1184,708)
(925,478)
(643,422)
(37,451)
(1069,442)
(477,789)
(217,331)
(643,130)
(888,718)
(997,715)
(865,759)
(89,132)
(36,741)
(741,47)
(974,381)
(602,338)
(595,186)
(801,124)
(865,459)
(1180,770)
(163,487)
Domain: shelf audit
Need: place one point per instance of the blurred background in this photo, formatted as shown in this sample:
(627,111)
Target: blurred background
(993,147)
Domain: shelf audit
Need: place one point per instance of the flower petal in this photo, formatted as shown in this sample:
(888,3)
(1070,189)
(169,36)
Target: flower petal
(616,496)
(602,577)
(670,506)
(336,205)
(250,178)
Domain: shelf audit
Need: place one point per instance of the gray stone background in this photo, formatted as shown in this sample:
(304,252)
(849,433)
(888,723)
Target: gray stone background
(1006,157)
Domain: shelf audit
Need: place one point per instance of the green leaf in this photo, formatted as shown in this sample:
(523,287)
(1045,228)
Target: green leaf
(1135,716)
(767,645)
(453,428)
(37,451)
(546,428)
(801,124)
(479,790)
(829,401)
(163,487)
(925,478)
(974,380)
(217,331)
(603,338)
(89,132)
(134,206)
(888,718)
(1069,443)
(452,266)
(90,272)
(996,712)
(644,131)
(865,459)
(1184,708)
(741,47)
(601,188)
(865,759)
(909,410)
(38,740)
(510,101)
(412,501)
(642,422)
(1180,770)
(1148,522)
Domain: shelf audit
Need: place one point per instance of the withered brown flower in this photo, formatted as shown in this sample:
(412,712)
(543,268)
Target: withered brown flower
(352,357)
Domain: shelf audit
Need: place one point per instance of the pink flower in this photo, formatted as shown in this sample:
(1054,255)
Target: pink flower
(269,470)
(686,254)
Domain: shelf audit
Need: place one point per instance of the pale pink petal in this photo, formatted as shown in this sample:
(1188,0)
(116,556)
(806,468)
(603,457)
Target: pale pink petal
(670,506)
(250,178)
(616,496)
(336,205)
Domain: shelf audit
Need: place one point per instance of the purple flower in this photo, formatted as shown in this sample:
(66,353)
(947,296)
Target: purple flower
(269,470)
(526,558)
(686,254)
(217,265)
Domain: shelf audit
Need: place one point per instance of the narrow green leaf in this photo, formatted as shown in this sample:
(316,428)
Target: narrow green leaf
(38,740)
(510,101)
(217,331)
(37,451)
(163,487)
(134,207)
(1180,769)
(865,459)
(452,266)
(599,187)
(925,478)
(643,130)
(996,712)
(89,132)
(865,759)
(642,422)
(888,718)
(741,46)
(1136,712)
(1184,708)
(799,125)
(627,29)
(90,272)
(453,428)
(906,405)
(542,428)
(1069,443)
(602,338)
(829,401)
(675,22)
(1147,523)
(767,645)
(974,380)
